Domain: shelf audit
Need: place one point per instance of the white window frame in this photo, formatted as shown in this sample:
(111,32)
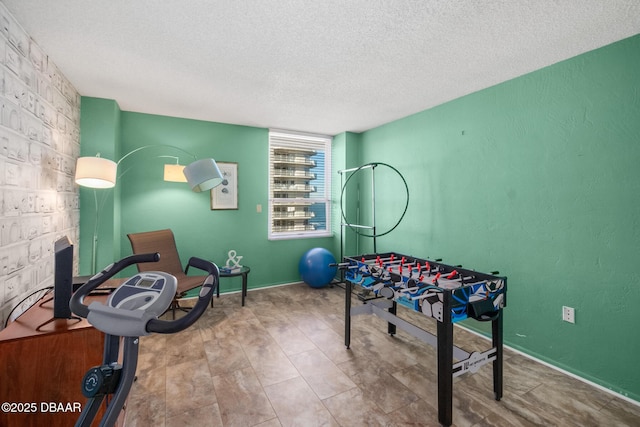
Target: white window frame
(297,140)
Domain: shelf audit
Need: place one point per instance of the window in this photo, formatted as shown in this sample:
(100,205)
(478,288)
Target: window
(299,184)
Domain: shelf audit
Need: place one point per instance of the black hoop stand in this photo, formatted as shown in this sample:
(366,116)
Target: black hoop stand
(356,227)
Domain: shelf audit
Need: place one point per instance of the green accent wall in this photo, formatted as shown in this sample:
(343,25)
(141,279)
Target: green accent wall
(99,134)
(346,155)
(143,201)
(537,177)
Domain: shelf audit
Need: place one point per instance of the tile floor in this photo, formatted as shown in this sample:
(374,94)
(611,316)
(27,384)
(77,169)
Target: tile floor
(281,361)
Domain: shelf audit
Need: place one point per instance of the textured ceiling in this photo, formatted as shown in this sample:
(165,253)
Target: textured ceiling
(318,66)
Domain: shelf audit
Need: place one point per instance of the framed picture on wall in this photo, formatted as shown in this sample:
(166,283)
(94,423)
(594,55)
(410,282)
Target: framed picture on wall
(225,195)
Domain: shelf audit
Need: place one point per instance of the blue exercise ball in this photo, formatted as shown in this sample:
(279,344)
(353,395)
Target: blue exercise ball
(315,268)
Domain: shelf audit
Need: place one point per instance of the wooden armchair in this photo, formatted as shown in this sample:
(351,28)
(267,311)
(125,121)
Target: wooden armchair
(163,241)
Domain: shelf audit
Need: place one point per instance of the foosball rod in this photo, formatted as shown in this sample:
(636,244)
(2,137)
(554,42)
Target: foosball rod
(385,263)
(393,260)
(390,259)
(388,263)
(351,266)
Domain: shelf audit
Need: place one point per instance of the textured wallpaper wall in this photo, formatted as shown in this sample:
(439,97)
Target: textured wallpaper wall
(39,142)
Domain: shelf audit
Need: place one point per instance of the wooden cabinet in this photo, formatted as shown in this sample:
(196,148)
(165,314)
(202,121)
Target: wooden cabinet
(42,363)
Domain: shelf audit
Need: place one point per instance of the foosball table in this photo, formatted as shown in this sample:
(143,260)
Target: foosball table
(446,293)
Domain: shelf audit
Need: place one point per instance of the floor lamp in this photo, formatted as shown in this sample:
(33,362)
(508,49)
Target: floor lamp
(98,172)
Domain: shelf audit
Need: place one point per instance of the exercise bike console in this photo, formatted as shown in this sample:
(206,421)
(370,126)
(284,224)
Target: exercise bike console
(150,291)
(129,308)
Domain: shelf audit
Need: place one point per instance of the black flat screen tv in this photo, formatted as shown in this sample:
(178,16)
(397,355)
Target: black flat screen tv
(63,278)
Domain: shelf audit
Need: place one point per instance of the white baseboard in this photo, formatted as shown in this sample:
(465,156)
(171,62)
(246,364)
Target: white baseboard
(572,375)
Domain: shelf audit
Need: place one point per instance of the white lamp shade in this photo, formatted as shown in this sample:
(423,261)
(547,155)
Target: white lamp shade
(96,172)
(174,173)
(203,175)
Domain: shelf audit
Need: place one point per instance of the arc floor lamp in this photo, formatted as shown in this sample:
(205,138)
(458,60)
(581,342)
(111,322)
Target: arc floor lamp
(99,172)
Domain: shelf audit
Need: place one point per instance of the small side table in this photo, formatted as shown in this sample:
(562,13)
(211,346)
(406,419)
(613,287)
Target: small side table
(244,272)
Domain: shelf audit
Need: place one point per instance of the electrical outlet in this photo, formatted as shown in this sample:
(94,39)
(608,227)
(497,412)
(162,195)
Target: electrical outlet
(568,314)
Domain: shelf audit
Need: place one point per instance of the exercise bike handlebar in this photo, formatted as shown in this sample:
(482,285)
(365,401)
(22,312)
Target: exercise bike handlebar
(209,286)
(203,265)
(77,299)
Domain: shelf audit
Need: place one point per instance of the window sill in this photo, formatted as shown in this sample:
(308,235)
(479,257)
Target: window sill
(300,235)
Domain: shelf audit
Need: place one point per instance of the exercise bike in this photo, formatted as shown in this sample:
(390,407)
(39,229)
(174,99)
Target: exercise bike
(131,311)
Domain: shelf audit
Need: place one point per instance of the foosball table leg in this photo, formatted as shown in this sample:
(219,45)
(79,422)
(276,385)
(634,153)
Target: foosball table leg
(391,328)
(347,314)
(496,335)
(445,363)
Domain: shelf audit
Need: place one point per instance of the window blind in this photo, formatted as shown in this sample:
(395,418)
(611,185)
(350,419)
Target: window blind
(299,185)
